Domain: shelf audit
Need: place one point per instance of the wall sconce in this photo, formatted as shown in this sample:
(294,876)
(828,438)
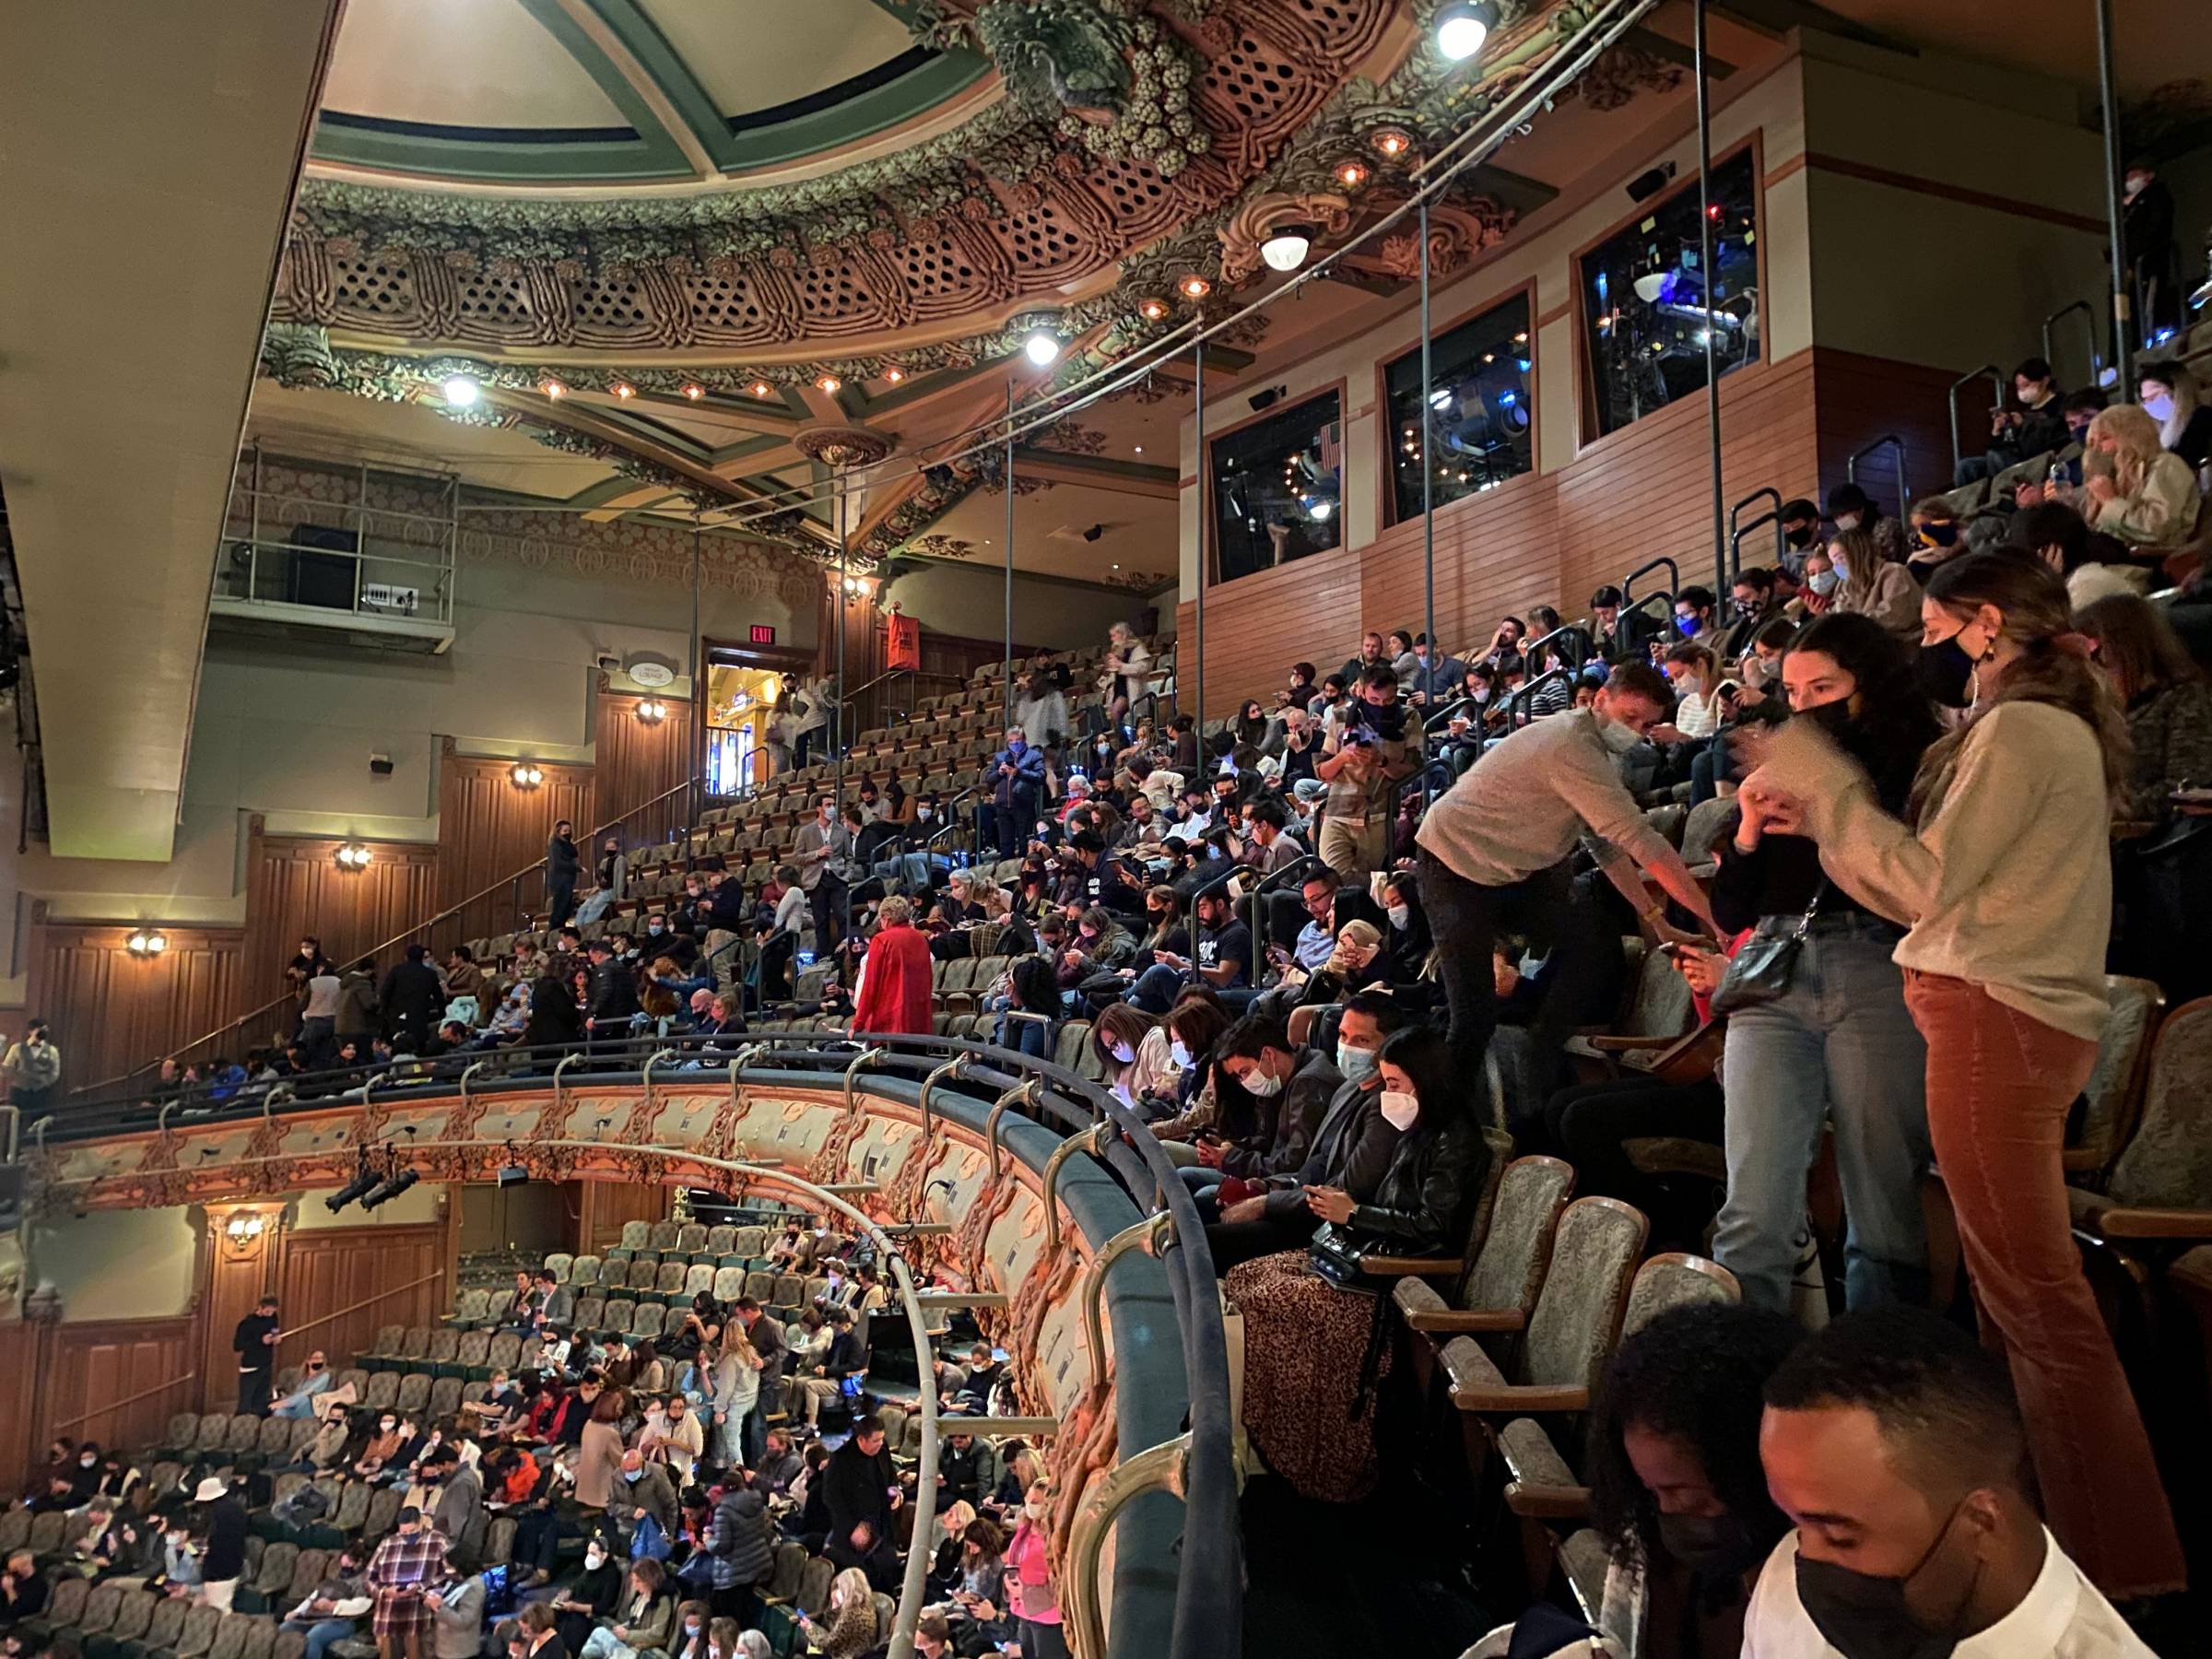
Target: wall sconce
(147,941)
(652,711)
(526,776)
(245,1226)
(353,856)
(860,587)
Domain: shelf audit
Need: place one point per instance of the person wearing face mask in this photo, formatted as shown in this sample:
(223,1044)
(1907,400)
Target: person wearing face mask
(2034,425)
(1131,1047)
(1891,1441)
(1836,1045)
(1193,1026)
(2148,497)
(1279,1099)
(1493,853)
(819,855)
(1818,590)
(1800,523)
(590,1596)
(1936,536)
(1014,780)
(1694,610)
(1871,585)
(2169,395)
(1029,1577)
(1314,1353)
(1677,1490)
(1362,757)
(2008,916)
(1408,942)
(1349,1149)
(1851,508)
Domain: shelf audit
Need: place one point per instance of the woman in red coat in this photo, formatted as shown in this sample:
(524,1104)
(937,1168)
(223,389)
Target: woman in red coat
(894,981)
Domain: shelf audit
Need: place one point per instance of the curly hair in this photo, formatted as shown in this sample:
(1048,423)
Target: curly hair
(1696,1375)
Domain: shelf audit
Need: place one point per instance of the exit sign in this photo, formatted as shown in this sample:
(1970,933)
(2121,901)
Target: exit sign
(763,634)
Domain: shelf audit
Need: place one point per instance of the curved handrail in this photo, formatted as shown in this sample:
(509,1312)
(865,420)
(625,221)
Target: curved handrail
(1886,441)
(1996,379)
(1738,530)
(1208,1610)
(2088,324)
(292,999)
(1674,580)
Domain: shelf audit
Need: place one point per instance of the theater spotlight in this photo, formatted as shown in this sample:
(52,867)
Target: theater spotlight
(391,1187)
(364,1178)
(1463,27)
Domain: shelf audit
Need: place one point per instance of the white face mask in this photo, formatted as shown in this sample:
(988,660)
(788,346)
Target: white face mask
(1849,521)
(1121,1052)
(923,813)
(1401,1111)
(1617,735)
(1400,914)
(1358,1064)
(595,1559)
(1033,1510)
(1261,1086)
(2159,409)
(1841,566)
(1179,1054)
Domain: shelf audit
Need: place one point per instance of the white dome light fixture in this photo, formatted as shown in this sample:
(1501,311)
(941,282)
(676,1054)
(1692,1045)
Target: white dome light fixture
(1042,348)
(1463,27)
(461,391)
(1286,246)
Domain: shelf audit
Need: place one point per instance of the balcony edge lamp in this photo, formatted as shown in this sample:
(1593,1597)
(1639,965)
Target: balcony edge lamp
(1462,28)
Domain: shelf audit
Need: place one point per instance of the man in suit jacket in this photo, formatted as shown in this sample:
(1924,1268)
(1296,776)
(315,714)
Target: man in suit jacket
(555,1304)
(822,854)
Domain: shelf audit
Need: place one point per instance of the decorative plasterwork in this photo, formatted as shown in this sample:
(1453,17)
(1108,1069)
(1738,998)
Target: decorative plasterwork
(1257,216)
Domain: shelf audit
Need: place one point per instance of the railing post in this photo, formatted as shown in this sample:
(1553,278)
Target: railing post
(1160,1468)
(1144,1235)
(650,1060)
(1093,1140)
(560,1099)
(953,1068)
(1028,1090)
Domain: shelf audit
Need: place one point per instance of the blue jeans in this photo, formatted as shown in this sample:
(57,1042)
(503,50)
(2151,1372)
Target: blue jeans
(322,1632)
(1838,1046)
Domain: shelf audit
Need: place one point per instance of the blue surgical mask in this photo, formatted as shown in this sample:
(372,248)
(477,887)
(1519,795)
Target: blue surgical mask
(1822,583)
(1358,1064)
(1686,626)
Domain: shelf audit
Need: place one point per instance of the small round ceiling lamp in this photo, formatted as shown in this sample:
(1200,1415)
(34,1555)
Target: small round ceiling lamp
(461,391)
(1042,348)
(1286,246)
(1463,27)
(1194,287)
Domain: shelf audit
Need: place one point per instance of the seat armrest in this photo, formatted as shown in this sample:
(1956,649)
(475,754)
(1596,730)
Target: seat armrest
(1629,1045)
(1465,1322)
(1390,1266)
(1548,1502)
(2120,1222)
(1515,1399)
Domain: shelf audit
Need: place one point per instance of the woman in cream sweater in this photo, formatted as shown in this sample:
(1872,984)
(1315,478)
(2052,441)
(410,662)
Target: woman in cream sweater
(2000,875)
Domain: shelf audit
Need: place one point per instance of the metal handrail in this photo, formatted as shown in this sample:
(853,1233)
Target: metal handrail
(1996,380)
(1886,441)
(1674,580)
(2088,324)
(291,999)
(1738,530)
(435,1274)
(143,1393)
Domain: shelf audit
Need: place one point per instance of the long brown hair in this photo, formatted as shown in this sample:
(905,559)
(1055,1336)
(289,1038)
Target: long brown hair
(2032,600)
(2137,645)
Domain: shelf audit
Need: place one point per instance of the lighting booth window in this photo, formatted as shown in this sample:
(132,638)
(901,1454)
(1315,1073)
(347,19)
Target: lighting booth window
(1643,298)
(1480,419)
(1278,487)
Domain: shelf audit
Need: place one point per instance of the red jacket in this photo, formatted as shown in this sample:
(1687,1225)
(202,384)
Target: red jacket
(894,985)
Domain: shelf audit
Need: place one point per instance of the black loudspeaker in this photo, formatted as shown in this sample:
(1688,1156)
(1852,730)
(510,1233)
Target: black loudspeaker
(323,577)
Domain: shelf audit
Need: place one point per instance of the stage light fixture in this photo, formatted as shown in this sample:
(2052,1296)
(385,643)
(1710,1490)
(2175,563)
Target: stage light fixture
(391,1187)
(364,1178)
(1463,27)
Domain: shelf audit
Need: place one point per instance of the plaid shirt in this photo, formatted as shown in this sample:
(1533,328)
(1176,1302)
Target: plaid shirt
(404,1565)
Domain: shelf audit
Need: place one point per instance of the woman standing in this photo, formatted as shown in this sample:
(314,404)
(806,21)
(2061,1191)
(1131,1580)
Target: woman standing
(1029,1577)
(895,978)
(1996,873)
(1837,1044)
(599,1454)
(1308,1403)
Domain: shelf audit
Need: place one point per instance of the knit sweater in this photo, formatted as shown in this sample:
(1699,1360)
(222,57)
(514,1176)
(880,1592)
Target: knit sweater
(2006,882)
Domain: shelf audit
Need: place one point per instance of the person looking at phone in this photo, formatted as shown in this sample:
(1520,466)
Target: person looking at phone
(1493,852)
(1373,747)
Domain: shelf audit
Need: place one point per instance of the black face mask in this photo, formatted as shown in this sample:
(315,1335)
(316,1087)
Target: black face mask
(1802,538)
(1832,718)
(1865,1616)
(1946,673)
(1715,1547)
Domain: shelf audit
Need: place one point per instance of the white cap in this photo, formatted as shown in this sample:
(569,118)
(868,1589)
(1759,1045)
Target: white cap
(209,1489)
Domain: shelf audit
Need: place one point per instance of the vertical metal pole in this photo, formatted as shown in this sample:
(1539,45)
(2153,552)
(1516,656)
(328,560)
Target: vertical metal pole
(1206,491)
(1007,692)
(1712,367)
(1428,480)
(838,722)
(2114,209)
(695,764)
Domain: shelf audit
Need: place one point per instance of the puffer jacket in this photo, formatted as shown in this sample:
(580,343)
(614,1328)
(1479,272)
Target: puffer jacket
(740,1539)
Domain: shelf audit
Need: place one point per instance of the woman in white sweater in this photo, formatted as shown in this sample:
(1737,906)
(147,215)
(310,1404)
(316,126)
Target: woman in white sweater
(2149,499)
(2001,877)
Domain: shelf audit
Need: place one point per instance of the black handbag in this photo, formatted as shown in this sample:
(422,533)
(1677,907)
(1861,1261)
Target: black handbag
(1761,970)
(1331,1256)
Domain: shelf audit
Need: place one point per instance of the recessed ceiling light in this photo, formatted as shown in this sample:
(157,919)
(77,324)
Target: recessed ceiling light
(1351,174)
(461,391)
(1041,349)
(1393,144)
(623,390)
(1195,287)
(829,382)
(894,374)
(1140,449)
(1152,311)
(694,391)
(553,389)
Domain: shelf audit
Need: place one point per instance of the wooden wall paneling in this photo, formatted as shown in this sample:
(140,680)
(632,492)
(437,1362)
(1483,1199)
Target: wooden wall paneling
(1857,399)
(112,1011)
(636,762)
(607,1204)
(488,828)
(96,1365)
(22,1446)
(295,888)
(331,1269)
(234,1274)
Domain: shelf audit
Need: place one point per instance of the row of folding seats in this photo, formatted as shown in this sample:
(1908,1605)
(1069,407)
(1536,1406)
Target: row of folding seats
(442,1351)
(107,1621)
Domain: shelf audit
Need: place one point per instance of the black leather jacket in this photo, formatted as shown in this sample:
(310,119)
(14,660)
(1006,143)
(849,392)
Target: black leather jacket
(1428,1195)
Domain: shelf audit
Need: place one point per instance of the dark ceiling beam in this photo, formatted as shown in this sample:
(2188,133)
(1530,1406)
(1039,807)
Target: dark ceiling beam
(1097,472)
(1775,18)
